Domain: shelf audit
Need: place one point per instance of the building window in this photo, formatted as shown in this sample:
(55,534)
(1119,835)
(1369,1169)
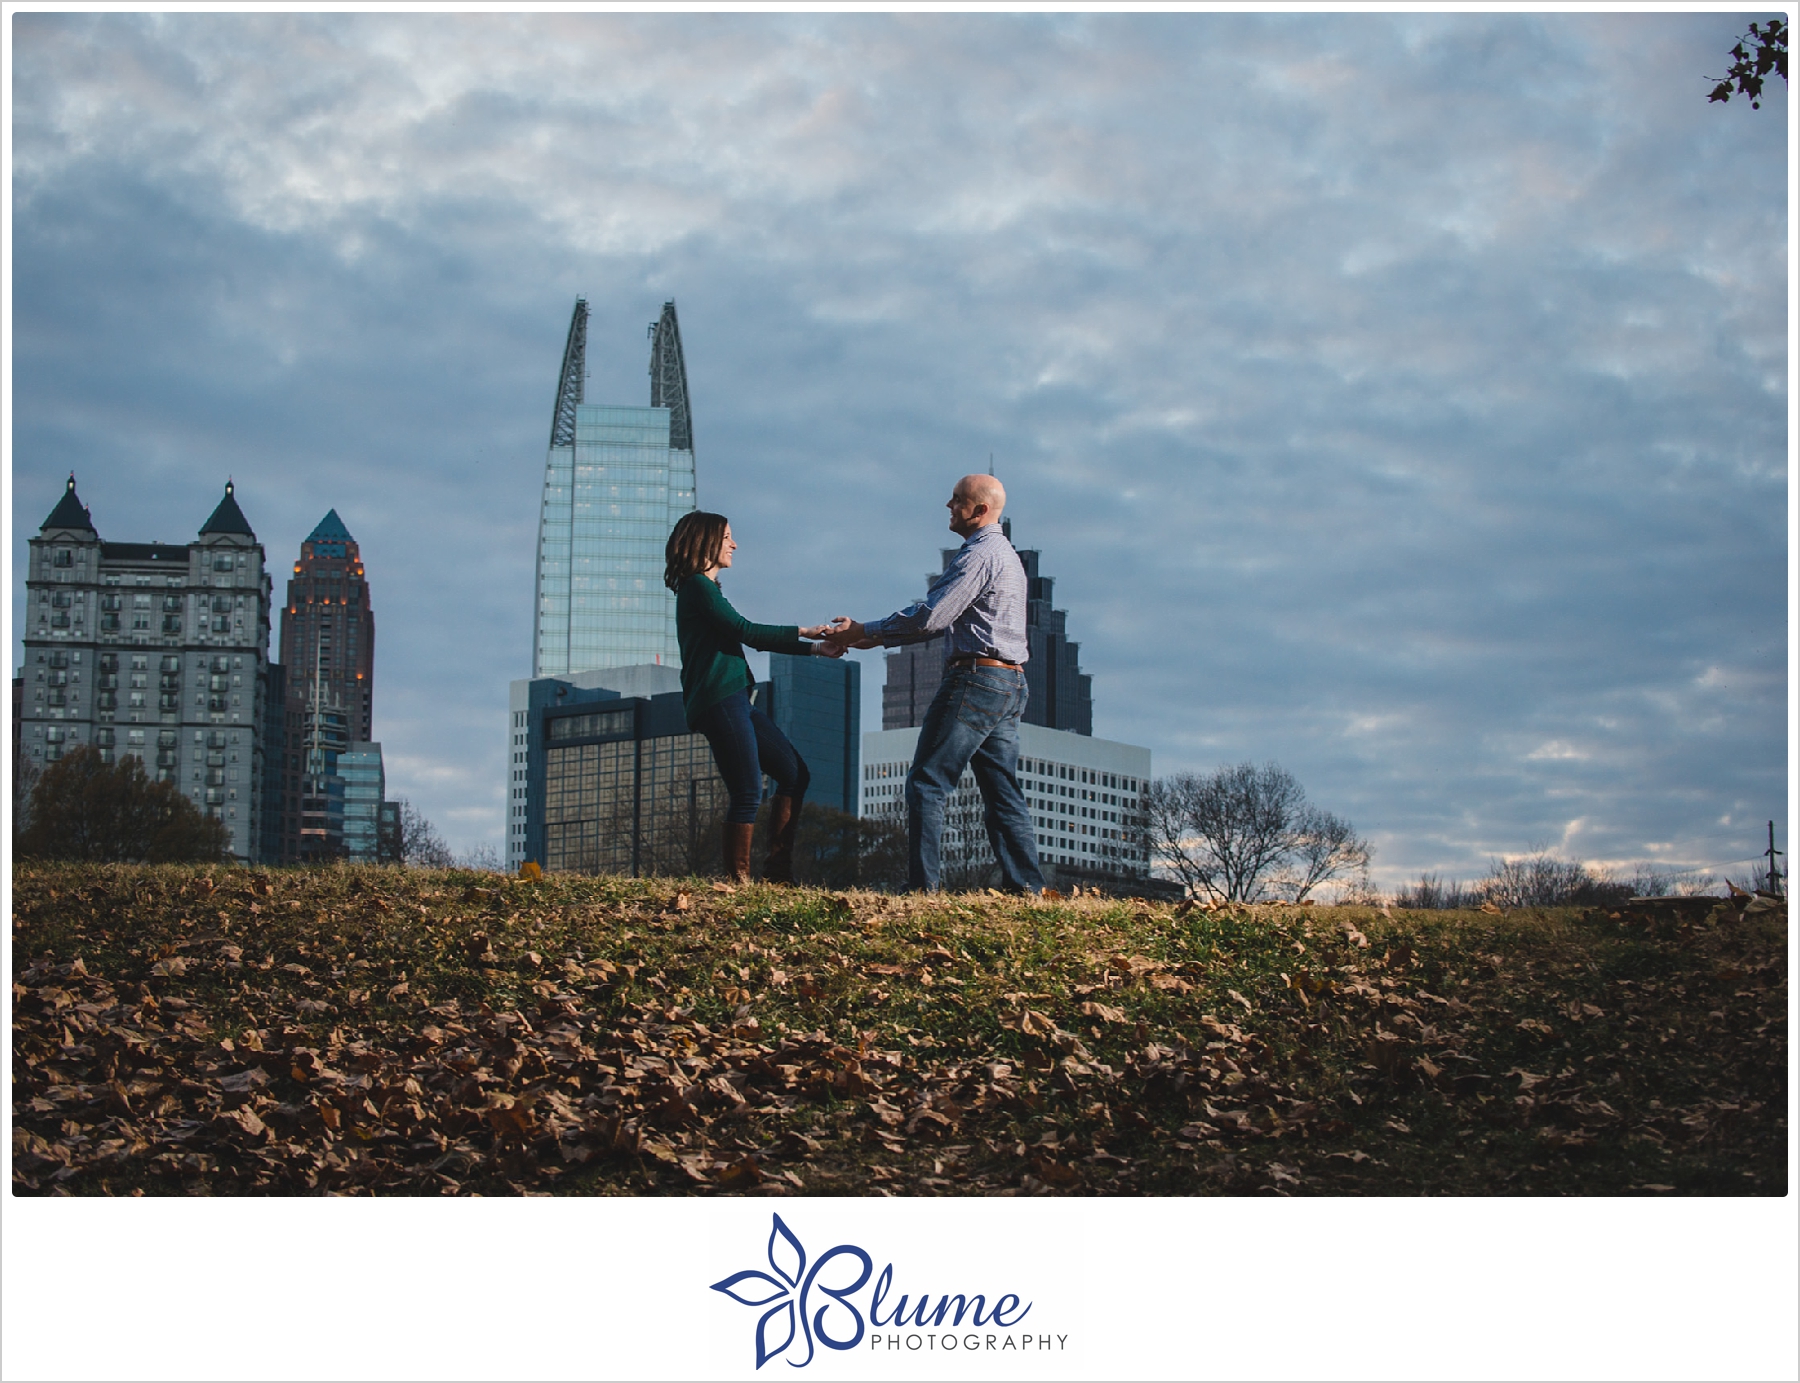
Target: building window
(597,725)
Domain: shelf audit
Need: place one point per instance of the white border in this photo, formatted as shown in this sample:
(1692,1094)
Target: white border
(1147,1288)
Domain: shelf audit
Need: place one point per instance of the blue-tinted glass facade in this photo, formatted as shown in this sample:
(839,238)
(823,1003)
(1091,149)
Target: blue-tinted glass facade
(818,706)
(365,784)
(609,503)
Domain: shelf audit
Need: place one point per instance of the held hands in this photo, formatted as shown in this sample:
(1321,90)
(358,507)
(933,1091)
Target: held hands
(828,647)
(847,633)
(842,633)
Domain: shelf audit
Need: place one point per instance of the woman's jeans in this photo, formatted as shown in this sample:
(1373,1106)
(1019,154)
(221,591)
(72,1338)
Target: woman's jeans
(973,722)
(746,745)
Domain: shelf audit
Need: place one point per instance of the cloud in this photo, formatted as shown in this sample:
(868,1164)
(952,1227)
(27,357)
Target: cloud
(1397,397)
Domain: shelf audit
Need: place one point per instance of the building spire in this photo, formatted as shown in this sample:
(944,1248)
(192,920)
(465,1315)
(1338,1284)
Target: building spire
(668,378)
(228,518)
(70,512)
(574,371)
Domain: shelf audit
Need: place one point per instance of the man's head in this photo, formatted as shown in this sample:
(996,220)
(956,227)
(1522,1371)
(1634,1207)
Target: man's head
(976,502)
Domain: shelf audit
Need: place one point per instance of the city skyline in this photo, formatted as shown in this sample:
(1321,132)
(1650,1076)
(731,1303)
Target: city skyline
(1401,397)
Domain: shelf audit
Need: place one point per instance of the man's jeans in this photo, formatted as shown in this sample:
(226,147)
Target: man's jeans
(972,722)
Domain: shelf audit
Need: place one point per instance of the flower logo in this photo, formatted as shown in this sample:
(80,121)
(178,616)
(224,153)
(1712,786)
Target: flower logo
(789,1286)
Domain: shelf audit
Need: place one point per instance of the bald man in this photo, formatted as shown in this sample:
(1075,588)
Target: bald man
(973,722)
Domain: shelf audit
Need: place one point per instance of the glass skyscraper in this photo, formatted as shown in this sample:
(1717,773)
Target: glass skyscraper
(616,479)
(365,784)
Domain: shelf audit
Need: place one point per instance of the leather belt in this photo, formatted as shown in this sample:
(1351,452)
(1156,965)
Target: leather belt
(971,660)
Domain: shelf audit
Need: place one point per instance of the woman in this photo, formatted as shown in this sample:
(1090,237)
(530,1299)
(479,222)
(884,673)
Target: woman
(715,685)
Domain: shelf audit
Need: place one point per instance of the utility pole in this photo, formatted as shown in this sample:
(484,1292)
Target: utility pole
(1774,872)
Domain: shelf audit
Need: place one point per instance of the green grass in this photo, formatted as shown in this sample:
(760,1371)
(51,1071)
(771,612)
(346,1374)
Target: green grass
(408,1032)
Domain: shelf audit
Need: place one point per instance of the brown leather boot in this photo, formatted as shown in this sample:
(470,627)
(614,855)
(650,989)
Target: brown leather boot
(784,824)
(735,850)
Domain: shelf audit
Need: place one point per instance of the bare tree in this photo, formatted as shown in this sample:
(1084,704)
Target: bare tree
(25,780)
(1324,847)
(1167,809)
(1244,832)
(483,856)
(420,844)
(1432,894)
(1541,880)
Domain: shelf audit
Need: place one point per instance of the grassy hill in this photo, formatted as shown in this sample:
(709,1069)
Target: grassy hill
(184,1031)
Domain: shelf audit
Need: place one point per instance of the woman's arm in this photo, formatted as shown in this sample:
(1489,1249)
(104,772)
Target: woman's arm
(770,638)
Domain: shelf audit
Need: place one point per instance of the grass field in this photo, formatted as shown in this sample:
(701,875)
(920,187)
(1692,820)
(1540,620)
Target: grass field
(180,1031)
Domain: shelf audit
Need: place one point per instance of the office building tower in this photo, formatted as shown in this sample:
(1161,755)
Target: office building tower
(1061,694)
(328,649)
(817,704)
(609,780)
(616,479)
(1085,796)
(274,745)
(644,796)
(365,785)
(158,651)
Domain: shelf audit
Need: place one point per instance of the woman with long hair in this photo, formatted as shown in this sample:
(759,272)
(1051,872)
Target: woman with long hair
(715,686)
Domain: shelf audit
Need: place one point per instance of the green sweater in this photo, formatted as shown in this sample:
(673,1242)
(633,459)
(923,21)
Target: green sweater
(712,636)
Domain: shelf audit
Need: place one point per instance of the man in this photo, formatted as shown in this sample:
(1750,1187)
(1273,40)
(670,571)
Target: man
(974,719)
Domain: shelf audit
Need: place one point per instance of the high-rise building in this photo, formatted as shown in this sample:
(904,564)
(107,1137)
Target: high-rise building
(154,650)
(365,785)
(274,747)
(555,798)
(616,479)
(609,779)
(817,704)
(1085,796)
(328,649)
(1061,694)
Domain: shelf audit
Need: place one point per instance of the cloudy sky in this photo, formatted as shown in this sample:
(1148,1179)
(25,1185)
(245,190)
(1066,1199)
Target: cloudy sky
(1401,398)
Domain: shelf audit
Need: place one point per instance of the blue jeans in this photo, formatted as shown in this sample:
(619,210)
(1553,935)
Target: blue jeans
(746,745)
(973,721)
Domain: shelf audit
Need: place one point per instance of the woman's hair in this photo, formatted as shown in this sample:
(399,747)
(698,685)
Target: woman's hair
(693,546)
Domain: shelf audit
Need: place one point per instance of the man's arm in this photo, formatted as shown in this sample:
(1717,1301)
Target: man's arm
(953,592)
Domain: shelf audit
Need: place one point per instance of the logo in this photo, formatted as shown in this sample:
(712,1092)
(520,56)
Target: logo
(809,1306)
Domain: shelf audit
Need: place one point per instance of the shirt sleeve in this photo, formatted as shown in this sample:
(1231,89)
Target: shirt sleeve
(770,638)
(953,592)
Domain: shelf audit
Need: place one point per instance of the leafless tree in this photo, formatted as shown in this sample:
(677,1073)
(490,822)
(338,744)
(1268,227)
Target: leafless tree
(420,844)
(1244,833)
(1323,847)
(1433,894)
(483,856)
(1542,880)
(25,779)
